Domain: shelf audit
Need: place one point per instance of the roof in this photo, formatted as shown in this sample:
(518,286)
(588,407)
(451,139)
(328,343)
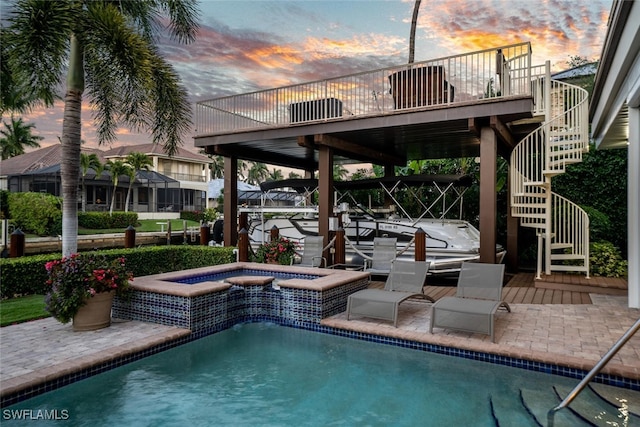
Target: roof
(39,159)
(156,150)
(579,71)
(52,155)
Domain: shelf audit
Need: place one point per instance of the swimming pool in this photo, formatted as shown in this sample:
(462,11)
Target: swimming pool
(263,374)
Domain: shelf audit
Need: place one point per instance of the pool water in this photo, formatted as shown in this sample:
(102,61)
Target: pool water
(262,374)
(220,276)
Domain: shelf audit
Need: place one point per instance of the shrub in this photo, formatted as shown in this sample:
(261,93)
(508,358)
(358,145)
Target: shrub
(37,213)
(102,220)
(605,260)
(4,204)
(207,215)
(599,224)
(27,275)
(73,280)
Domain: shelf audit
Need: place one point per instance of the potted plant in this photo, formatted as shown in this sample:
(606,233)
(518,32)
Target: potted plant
(82,287)
(276,251)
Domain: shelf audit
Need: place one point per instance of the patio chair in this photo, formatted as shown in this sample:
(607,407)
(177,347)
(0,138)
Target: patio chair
(384,252)
(406,279)
(478,297)
(312,252)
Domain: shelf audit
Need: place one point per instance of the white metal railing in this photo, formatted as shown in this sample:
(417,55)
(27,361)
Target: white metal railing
(477,76)
(544,153)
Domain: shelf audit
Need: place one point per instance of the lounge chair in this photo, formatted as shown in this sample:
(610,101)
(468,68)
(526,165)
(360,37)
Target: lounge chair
(312,252)
(478,297)
(384,252)
(405,280)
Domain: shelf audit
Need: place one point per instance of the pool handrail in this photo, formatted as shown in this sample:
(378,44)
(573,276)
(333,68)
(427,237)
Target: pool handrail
(594,371)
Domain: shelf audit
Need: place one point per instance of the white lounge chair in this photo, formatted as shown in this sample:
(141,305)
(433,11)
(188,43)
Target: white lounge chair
(384,252)
(478,297)
(406,279)
(312,252)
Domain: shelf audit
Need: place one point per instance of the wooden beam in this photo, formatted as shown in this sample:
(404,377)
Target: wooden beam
(358,152)
(254,155)
(502,131)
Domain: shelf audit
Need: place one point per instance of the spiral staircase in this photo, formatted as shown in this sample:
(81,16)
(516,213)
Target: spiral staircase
(562,227)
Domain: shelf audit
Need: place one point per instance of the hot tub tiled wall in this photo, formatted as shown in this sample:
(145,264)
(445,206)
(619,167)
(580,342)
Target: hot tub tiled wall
(194,313)
(234,304)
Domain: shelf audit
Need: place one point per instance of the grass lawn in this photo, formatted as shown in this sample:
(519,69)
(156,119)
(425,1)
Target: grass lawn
(146,225)
(17,310)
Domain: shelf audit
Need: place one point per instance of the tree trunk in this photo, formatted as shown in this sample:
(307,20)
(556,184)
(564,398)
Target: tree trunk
(126,203)
(412,35)
(70,171)
(71,134)
(113,196)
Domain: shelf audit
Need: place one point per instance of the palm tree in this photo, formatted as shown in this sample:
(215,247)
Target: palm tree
(116,169)
(275,175)
(257,173)
(412,35)
(88,161)
(137,161)
(216,167)
(110,46)
(16,136)
(339,172)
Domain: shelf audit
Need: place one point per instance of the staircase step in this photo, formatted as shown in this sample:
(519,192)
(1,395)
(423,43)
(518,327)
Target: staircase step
(534,183)
(618,397)
(507,413)
(597,411)
(561,245)
(566,257)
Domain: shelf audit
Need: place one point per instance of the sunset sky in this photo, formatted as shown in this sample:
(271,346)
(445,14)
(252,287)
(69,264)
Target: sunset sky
(245,46)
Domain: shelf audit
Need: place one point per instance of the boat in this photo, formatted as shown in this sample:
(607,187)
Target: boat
(449,241)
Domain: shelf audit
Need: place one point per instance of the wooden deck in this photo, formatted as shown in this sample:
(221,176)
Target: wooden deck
(522,288)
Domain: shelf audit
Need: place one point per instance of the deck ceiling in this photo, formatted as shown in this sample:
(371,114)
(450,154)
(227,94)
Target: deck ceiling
(430,133)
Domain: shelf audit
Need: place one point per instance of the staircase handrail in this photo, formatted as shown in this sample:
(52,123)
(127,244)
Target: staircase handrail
(593,372)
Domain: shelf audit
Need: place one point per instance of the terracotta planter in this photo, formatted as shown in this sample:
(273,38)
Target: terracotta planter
(95,314)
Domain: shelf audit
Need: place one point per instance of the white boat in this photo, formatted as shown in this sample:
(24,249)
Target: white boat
(449,242)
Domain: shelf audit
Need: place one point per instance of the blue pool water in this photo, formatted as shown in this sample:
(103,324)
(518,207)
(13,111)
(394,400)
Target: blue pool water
(219,276)
(267,375)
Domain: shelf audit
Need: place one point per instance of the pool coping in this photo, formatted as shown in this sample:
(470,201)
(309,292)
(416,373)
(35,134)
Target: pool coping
(165,282)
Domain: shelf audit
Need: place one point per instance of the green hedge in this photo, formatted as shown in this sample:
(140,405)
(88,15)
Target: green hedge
(37,213)
(27,275)
(102,220)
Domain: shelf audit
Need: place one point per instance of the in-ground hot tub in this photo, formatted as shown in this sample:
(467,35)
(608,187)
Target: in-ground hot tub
(212,298)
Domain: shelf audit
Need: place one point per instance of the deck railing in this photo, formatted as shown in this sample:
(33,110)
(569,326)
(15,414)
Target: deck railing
(471,77)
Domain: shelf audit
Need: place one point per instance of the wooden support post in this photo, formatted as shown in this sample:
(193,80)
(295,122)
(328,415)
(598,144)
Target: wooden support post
(17,244)
(274,233)
(130,237)
(325,190)
(420,243)
(243,245)
(488,197)
(204,234)
(339,255)
(230,209)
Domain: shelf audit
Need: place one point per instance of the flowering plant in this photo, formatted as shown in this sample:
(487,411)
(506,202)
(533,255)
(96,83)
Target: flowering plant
(278,250)
(73,280)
